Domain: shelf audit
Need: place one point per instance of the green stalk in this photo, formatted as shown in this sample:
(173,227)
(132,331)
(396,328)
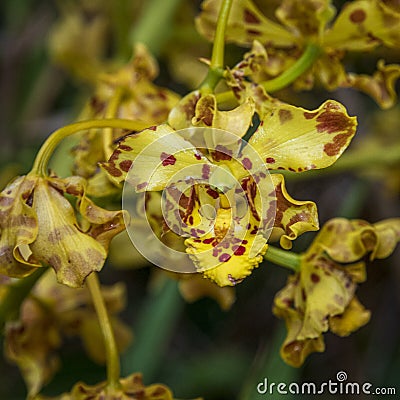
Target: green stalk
(297,69)
(16,294)
(112,356)
(216,70)
(283,258)
(51,143)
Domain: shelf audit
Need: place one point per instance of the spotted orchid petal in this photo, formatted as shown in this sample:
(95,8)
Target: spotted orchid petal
(181,115)
(293,217)
(60,243)
(158,153)
(295,139)
(18,228)
(32,343)
(324,291)
(294,351)
(236,121)
(130,387)
(380,86)
(317,298)
(354,317)
(245,24)
(349,240)
(231,250)
(363,25)
(307,18)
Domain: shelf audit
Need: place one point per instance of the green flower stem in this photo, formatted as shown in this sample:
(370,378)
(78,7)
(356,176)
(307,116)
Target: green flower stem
(154,25)
(47,149)
(216,70)
(112,356)
(217,57)
(287,77)
(16,294)
(283,258)
(301,65)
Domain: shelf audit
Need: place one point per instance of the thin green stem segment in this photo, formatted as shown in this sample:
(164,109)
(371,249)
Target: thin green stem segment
(216,70)
(217,57)
(283,258)
(112,357)
(307,59)
(48,147)
(16,294)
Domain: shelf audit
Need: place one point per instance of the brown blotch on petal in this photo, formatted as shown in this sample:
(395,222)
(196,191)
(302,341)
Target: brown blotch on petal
(253,32)
(57,234)
(358,16)
(315,278)
(333,148)
(125,147)
(125,165)
(6,201)
(310,115)
(250,17)
(95,256)
(112,170)
(55,262)
(332,122)
(284,116)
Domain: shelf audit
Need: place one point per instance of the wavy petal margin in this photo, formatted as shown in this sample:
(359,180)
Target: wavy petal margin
(292,138)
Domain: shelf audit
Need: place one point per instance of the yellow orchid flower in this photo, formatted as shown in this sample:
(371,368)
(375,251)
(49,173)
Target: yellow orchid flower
(361,26)
(321,296)
(39,227)
(120,92)
(131,387)
(198,171)
(49,314)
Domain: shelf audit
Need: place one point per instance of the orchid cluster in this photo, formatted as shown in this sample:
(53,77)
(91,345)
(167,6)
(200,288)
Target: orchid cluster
(209,168)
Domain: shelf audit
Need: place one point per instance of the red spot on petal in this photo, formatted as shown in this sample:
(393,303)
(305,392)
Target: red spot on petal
(208,241)
(153,128)
(250,17)
(315,278)
(167,159)
(247,163)
(205,171)
(358,16)
(125,147)
(214,194)
(240,251)
(125,165)
(197,156)
(270,160)
(141,186)
(310,115)
(224,257)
